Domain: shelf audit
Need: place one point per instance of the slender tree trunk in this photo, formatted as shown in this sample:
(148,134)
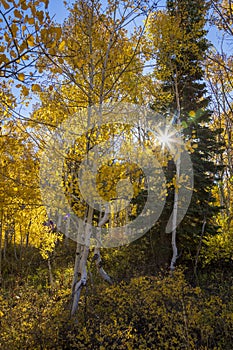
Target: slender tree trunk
(78,254)
(97,255)
(174,218)
(176,193)
(81,264)
(27,235)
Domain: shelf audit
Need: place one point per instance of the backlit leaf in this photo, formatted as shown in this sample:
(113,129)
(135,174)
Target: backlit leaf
(21,76)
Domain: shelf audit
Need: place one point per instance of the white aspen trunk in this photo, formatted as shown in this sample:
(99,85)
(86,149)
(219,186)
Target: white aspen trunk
(82,282)
(67,231)
(97,255)
(78,253)
(80,264)
(82,251)
(174,218)
(98,262)
(176,195)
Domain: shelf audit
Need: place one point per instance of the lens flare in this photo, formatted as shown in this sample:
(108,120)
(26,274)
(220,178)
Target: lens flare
(166,137)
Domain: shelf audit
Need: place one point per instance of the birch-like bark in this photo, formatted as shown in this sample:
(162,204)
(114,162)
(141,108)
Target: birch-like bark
(82,251)
(82,282)
(97,255)
(174,219)
(78,254)
(176,195)
(80,265)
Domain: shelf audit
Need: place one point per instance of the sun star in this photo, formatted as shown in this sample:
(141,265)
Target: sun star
(166,137)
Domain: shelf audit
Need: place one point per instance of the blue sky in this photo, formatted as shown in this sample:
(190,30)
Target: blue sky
(57,9)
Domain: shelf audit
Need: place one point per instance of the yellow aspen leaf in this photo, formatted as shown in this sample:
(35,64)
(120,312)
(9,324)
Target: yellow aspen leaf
(25,91)
(2,48)
(24,5)
(62,46)
(60,60)
(52,51)
(58,32)
(6,37)
(40,16)
(17,13)
(30,40)
(80,63)
(25,57)
(21,76)
(14,29)
(13,54)
(33,8)
(5,5)
(192,114)
(31,20)
(43,34)
(23,46)
(36,88)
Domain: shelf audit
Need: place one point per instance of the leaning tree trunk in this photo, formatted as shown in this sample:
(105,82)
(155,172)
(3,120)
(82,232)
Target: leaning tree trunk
(97,255)
(80,269)
(82,253)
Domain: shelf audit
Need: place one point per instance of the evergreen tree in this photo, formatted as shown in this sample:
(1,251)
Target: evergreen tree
(180,56)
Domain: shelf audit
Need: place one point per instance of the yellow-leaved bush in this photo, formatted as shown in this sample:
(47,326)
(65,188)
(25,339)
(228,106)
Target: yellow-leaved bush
(154,312)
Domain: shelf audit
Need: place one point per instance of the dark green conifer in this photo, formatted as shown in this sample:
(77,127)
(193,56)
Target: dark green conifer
(186,85)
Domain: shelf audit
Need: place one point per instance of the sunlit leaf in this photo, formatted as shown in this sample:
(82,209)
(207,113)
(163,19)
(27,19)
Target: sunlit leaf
(21,76)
